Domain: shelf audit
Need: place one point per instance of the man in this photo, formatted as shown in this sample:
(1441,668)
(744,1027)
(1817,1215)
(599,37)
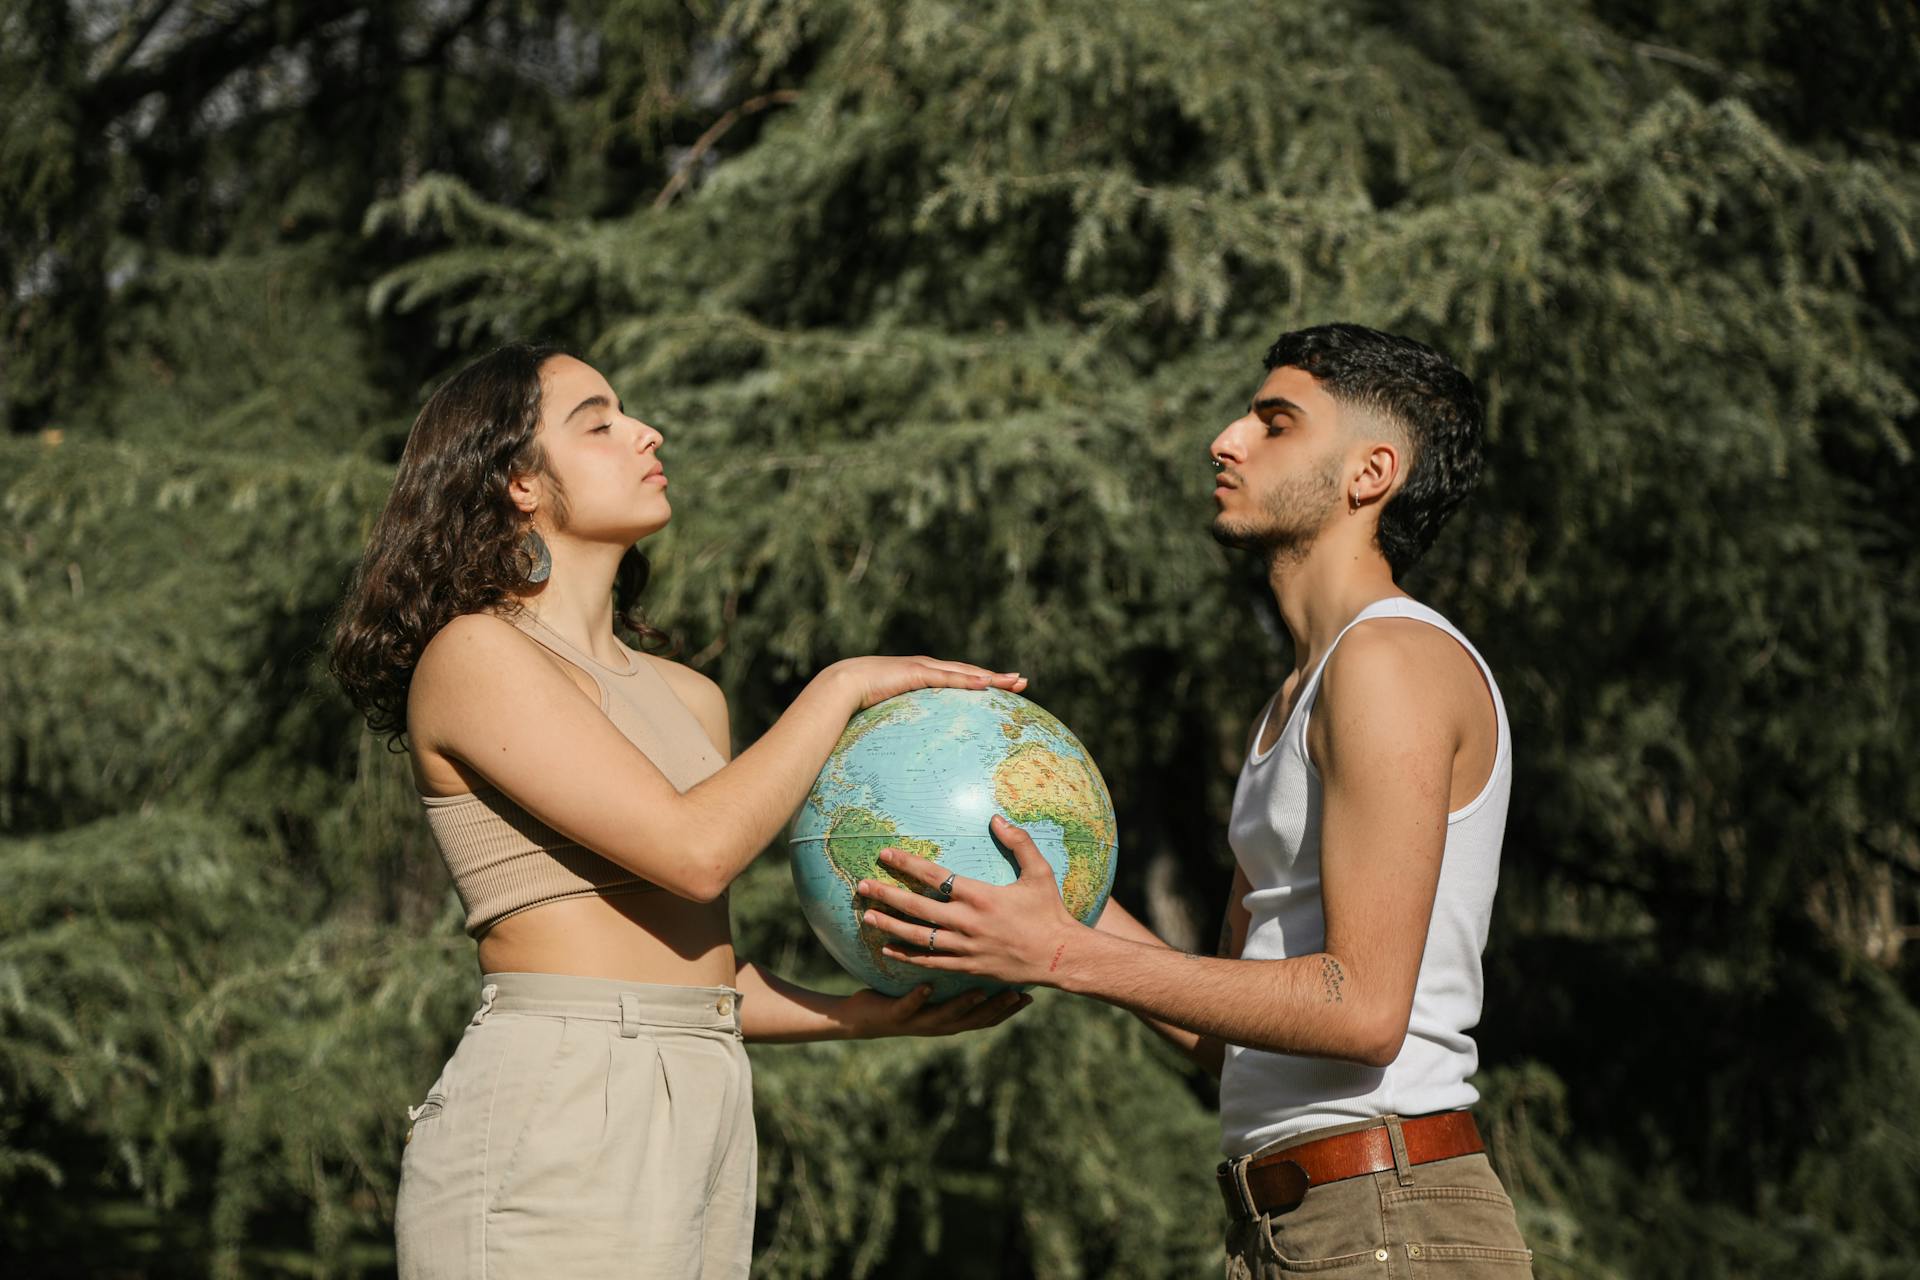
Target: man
(1366,826)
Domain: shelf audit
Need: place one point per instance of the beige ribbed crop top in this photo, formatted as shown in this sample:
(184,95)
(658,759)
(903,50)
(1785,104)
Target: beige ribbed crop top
(504,860)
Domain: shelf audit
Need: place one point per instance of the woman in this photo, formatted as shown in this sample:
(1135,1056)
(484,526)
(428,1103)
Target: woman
(597,1115)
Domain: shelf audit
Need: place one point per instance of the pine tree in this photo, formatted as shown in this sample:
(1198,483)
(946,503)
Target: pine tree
(937,307)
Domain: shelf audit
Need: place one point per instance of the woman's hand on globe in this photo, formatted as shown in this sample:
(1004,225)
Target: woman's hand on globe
(874,680)
(870,1015)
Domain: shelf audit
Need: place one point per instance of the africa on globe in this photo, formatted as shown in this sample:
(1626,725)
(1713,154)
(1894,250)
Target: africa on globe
(924,773)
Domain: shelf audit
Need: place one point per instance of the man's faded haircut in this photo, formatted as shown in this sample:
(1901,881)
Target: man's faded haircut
(1417,390)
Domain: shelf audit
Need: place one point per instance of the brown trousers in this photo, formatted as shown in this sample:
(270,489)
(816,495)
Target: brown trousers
(1446,1220)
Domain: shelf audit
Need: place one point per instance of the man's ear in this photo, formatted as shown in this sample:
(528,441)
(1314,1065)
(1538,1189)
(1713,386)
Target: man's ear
(1379,471)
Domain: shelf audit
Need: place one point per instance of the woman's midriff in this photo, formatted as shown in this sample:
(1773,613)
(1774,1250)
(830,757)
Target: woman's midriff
(653,936)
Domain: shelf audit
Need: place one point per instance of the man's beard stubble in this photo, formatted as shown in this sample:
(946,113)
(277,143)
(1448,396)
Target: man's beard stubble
(1291,517)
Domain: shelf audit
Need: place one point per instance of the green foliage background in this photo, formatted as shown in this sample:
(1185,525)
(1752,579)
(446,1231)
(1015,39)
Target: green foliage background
(937,305)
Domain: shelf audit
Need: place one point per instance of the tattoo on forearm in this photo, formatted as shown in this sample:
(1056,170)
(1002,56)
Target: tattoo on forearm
(1057,953)
(1331,977)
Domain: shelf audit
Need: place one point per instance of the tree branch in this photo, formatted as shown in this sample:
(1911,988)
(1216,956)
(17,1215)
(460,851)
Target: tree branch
(704,143)
(208,59)
(133,37)
(437,47)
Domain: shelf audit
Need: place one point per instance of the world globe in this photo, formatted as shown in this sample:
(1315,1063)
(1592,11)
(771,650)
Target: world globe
(924,772)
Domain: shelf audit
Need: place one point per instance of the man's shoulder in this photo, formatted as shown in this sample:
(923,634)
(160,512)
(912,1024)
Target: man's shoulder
(1397,664)
(1395,648)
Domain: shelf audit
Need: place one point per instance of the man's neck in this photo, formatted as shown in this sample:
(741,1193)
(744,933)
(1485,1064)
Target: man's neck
(1321,592)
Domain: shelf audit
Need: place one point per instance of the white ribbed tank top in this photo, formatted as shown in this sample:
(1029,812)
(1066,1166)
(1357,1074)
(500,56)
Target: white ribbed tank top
(1275,834)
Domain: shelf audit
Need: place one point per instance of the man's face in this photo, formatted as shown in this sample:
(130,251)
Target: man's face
(1280,468)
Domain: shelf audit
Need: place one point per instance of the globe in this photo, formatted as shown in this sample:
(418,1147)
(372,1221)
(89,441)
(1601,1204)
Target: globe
(924,772)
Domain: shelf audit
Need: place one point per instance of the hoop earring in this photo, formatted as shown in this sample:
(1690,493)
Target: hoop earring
(536,562)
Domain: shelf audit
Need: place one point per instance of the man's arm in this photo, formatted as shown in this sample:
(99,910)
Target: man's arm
(1116,921)
(1207,1051)
(1384,742)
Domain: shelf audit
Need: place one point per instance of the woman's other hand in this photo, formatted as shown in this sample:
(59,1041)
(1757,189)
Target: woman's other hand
(870,1015)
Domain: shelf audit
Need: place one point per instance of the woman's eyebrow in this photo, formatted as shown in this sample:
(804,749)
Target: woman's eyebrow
(595,402)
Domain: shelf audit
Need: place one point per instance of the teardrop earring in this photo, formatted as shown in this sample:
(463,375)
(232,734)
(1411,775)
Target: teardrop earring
(536,562)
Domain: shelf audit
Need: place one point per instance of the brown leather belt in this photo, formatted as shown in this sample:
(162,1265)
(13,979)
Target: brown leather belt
(1281,1180)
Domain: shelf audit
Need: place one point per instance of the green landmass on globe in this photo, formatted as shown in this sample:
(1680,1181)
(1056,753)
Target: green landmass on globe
(925,772)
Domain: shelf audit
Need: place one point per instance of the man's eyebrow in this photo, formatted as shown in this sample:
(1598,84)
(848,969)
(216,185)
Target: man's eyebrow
(1276,403)
(593,402)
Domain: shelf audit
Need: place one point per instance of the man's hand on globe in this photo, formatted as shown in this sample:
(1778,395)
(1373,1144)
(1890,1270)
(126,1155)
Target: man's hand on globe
(923,774)
(873,680)
(1013,933)
(869,1015)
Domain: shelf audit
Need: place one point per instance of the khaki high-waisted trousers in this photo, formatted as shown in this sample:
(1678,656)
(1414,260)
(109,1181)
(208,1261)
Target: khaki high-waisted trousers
(584,1127)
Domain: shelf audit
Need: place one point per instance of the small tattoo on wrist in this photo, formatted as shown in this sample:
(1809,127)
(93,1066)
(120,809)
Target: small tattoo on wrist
(1057,953)
(1330,978)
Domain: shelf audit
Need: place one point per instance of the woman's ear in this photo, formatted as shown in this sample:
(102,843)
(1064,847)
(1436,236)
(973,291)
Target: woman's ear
(524,490)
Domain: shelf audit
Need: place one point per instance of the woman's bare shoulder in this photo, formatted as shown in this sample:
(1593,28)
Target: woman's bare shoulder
(469,644)
(478,652)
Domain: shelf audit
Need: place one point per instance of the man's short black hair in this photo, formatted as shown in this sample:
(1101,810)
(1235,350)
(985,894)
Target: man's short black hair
(1423,392)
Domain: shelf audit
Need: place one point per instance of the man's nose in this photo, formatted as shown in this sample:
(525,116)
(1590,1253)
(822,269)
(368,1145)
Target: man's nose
(1227,445)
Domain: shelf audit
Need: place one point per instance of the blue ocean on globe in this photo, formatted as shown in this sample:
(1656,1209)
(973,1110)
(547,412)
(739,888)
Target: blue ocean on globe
(925,772)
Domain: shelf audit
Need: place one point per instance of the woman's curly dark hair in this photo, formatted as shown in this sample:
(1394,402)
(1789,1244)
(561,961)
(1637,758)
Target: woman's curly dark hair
(448,541)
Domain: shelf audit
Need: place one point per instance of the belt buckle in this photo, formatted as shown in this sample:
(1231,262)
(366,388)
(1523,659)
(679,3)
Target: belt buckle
(1232,1175)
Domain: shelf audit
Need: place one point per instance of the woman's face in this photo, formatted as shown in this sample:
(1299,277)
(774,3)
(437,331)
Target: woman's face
(605,461)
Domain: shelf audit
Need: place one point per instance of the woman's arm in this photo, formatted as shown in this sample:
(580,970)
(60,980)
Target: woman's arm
(484,694)
(775,1011)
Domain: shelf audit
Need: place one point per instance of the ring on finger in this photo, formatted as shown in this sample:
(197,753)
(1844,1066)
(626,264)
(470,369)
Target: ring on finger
(930,933)
(946,886)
